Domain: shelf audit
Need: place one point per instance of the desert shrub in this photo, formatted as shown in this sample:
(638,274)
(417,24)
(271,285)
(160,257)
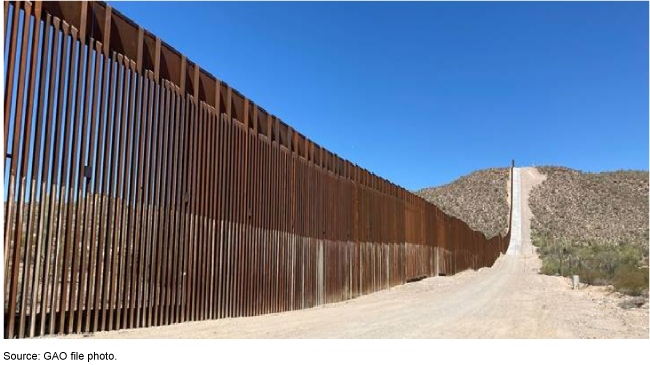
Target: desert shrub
(550,267)
(631,280)
(623,266)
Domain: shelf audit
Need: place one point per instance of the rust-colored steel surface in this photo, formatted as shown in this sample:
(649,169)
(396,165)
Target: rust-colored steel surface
(142,191)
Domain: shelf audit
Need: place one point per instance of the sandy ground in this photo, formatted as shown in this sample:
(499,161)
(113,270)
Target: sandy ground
(508,300)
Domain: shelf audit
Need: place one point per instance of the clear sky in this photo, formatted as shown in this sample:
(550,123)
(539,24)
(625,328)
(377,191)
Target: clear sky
(422,93)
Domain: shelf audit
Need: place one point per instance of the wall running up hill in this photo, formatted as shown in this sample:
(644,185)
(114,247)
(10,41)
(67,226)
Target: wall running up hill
(142,191)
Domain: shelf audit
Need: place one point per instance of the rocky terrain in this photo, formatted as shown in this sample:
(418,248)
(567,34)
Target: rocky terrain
(591,224)
(480,199)
(594,225)
(608,208)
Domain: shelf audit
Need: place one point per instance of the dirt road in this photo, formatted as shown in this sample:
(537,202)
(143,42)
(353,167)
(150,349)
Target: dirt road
(509,300)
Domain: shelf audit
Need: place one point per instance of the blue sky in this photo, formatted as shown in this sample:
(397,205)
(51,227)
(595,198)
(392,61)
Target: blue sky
(422,93)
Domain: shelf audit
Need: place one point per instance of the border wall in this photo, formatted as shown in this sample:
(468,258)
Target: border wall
(142,191)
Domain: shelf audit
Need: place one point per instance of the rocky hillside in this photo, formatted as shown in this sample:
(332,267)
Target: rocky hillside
(480,199)
(594,225)
(591,224)
(609,208)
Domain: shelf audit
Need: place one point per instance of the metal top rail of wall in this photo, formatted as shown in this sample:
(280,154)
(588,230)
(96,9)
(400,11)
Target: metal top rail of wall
(142,191)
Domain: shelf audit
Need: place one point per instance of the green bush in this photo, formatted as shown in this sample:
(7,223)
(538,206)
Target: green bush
(550,267)
(631,280)
(623,266)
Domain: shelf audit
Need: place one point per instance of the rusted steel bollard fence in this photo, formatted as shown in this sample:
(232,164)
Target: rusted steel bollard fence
(141,191)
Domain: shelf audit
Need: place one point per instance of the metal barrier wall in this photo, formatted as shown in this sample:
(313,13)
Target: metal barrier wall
(142,191)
